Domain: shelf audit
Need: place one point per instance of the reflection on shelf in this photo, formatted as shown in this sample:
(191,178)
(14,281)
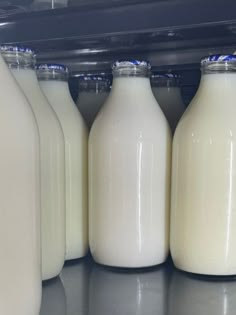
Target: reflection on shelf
(118,292)
(48,4)
(201,295)
(53,298)
(85,288)
(75,278)
(12,7)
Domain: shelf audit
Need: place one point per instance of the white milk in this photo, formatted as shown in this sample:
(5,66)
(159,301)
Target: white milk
(170,101)
(129,165)
(137,293)
(203,220)
(20,272)
(52,175)
(76,148)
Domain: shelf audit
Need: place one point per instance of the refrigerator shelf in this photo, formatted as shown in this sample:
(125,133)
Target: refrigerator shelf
(86,288)
(168,33)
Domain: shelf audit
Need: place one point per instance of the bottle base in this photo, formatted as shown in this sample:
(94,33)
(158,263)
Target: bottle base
(51,275)
(76,256)
(208,272)
(128,265)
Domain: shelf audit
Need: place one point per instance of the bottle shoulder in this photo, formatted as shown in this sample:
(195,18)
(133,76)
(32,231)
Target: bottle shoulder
(129,126)
(204,123)
(70,117)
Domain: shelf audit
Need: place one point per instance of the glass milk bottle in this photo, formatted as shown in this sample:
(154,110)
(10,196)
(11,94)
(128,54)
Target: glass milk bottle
(53,80)
(129,166)
(93,91)
(20,272)
(203,220)
(168,95)
(52,161)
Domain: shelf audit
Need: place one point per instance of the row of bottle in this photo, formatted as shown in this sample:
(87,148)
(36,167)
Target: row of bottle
(130,182)
(43,178)
(87,289)
(94,90)
(129,174)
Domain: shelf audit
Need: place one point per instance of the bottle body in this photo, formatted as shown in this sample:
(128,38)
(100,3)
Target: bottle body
(203,179)
(76,147)
(129,155)
(52,171)
(20,202)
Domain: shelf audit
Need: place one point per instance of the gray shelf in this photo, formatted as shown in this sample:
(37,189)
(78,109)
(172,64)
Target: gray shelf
(85,288)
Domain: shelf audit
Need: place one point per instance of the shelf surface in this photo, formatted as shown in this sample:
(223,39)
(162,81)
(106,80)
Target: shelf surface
(92,34)
(85,288)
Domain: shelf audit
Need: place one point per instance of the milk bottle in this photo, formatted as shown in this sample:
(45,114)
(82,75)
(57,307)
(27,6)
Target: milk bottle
(168,95)
(53,81)
(129,166)
(20,272)
(93,91)
(203,221)
(52,161)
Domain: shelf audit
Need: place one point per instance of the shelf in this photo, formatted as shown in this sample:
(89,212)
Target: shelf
(90,37)
(85,288)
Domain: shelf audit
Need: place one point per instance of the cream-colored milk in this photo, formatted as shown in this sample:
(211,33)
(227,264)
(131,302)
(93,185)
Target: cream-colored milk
(76,154)
(89,104)
(129,165)
(20,272)
(170,101)
(52,175)
(203,217)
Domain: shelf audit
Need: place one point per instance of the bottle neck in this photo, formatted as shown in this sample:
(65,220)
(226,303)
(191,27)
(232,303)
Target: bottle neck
(27,80)
(59,90)
(52,75)
(18,60)
(130,69)
(136,86)
(218,83)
